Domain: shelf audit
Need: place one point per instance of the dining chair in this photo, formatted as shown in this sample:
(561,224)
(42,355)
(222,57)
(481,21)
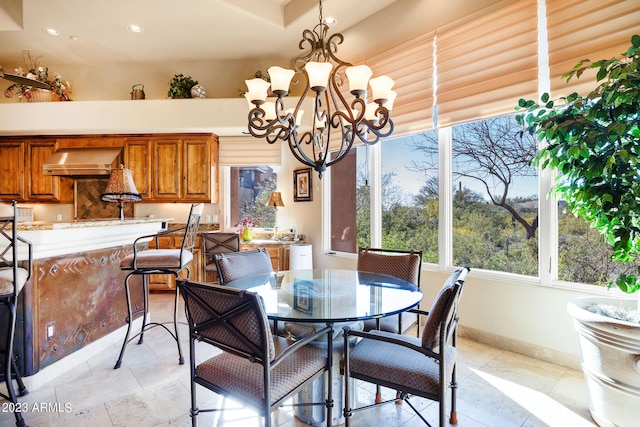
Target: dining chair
(144,261)
(217,243)
(423,367)
(403,264)
(12,280)
(254,366)
(236,265)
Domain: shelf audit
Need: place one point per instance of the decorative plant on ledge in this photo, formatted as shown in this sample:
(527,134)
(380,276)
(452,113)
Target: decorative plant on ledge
(35,71)
(593,142)
(180,86)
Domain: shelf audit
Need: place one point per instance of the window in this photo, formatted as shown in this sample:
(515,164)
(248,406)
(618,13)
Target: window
(410,194)
(495,197)
(249,190)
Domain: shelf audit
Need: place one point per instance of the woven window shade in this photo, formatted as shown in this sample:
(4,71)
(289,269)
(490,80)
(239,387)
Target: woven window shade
(581,29)
(410,65)
(249,151)
(485,65)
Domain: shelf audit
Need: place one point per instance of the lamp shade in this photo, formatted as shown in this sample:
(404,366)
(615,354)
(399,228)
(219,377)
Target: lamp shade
(318,73)
(275,199)
(381,87)
(121,189)
(258,89)
(280,79)
(358,76)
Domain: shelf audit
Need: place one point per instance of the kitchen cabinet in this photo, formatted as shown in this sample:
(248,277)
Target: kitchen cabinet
(12,171)
(165,168)
(279,254)
(167,282)
(41,187)
(174,168)
(137,157)
(21,176)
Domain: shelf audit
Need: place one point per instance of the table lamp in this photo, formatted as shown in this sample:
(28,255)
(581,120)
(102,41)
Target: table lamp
(121,189)
(275,200)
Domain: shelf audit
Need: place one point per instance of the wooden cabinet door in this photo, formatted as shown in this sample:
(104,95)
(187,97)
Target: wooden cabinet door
(196,169)
(42,187)
(167,169)
(137,158)
(12,163)
(39,185)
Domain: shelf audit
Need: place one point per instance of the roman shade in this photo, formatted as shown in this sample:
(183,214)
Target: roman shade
(411,66)
(486,64)
(581,29)
(248,151)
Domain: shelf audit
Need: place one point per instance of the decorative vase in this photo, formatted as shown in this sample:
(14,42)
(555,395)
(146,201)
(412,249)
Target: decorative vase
(247,234)
(610,361)
(198,91)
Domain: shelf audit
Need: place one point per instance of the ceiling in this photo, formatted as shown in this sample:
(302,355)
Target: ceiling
(192,30)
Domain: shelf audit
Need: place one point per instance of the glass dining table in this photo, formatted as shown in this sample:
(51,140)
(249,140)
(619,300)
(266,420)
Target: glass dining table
(301,298)
(330,295)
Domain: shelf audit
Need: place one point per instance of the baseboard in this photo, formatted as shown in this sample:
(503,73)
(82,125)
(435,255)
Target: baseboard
(44,376)
(521,347)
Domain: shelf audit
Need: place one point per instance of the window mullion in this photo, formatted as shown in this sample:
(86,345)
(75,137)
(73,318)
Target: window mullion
(375,184)
(445,197)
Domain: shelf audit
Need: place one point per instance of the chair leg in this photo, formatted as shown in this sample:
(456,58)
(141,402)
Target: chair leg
(175,325)
(9,363)
(453,416)
(145,303)
(22,389)
(129,321)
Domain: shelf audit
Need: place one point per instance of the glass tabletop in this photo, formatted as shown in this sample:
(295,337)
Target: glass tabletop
(327,295)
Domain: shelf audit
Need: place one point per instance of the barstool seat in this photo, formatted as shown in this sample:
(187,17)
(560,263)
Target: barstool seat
(12,280)
(143,262)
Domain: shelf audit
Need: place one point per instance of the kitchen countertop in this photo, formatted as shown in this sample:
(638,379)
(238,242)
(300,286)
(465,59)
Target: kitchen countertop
(84,223)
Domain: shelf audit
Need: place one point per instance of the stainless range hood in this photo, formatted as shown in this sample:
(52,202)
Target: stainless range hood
(82,161)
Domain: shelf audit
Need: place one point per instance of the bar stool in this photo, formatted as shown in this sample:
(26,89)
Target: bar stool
(143,262)
(12,280)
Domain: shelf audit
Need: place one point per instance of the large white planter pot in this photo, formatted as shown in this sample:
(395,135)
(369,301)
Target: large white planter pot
(610,351)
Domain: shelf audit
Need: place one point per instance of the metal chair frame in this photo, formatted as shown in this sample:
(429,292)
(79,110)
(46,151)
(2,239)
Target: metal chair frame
(216,243)
(399,252)
(141,245)
(8,259)
(215,324)
(446,337)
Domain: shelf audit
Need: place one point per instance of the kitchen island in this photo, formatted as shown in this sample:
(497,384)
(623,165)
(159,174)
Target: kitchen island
(74,303)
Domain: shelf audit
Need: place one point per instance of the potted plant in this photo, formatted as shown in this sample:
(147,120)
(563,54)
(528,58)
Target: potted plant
(593,142)
(58,89)
(180,86)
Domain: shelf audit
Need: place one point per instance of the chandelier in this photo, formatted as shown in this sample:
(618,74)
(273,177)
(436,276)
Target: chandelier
(333,116)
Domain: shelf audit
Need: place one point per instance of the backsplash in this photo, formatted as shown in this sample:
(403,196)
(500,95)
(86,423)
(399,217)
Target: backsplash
(87,203)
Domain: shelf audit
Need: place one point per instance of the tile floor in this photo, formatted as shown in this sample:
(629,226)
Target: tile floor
(496,388)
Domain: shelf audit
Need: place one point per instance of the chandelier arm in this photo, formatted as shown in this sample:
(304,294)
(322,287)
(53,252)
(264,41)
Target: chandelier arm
(295,145)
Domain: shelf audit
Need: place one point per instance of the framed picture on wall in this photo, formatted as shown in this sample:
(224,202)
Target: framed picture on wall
(302,185)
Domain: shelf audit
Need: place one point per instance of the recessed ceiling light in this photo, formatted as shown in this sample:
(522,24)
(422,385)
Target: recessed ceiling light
(51,32)
(74,38)
(134,28)
(330,21)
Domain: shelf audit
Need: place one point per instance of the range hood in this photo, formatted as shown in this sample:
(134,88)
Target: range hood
(82,161)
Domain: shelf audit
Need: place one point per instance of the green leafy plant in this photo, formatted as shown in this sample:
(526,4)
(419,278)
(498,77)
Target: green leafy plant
(593,142)
(180,86)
